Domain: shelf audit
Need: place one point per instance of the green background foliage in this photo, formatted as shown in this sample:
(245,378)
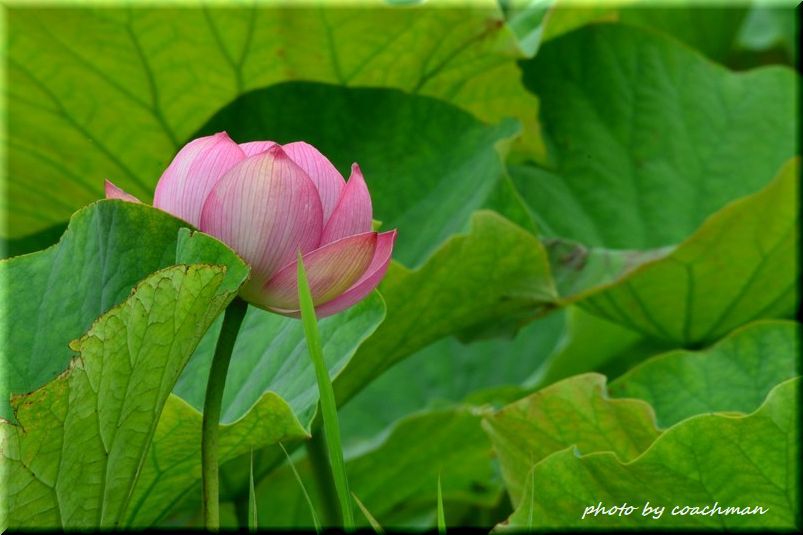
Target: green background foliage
(590,299)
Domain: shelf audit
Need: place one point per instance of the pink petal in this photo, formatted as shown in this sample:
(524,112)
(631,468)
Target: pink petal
(330,269)
(192,174)
(353,212)
(255,147)
(265,208)
(113,192)
(360,289)
(369,280)
(327,179)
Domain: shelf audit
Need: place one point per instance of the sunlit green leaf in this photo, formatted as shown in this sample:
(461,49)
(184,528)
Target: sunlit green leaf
(706,461)
(52,297)
(130,80)
(575,413)
(270,396)
(731,377)
(172,469)
(270,354)
(736,374)
(741,265)
(439,289)
(82,438)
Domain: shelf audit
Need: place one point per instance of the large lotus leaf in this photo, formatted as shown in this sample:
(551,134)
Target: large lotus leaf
(82,439)
(575,413)
(270,354)
(707,461)
(172,468)
(52,297)
(449,372)
(741,265)
(709,29)
(732,376)
(428,165)
(648,138)
(506,278)
(31,242)
(716,30)
(270,395)
(82,79)
(590,343)
(497,272)
(736,374)
(397,479)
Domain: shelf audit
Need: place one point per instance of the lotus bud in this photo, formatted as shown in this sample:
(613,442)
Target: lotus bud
(268,201)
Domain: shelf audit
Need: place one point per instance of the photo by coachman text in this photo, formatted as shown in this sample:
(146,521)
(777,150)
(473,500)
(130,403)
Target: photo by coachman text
(657,511)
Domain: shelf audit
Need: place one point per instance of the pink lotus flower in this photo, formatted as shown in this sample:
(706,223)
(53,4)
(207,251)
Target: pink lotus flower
(267,201)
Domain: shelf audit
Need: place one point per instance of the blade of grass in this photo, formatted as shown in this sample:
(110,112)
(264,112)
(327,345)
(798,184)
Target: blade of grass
(531,479)
(331,427)
(441,516)
(371,520)
(252,498)
(315,520)
(322,480)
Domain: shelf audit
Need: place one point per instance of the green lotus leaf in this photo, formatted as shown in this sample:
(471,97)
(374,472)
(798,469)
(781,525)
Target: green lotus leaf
(53,296)
(496,273)
(575,413)
(732,377)
(735,374)
(647,138)
(270,395)
(428,165)
(709,29)
(397,479)
(74,457)
(741,265)
(464,55)
(711,463)
(591,343)
(447,373)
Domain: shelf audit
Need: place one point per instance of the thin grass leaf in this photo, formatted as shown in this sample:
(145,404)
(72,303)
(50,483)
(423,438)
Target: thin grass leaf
(531,478)
(315,520)
(252,498)
(328,406)
(371,520)
(441,515)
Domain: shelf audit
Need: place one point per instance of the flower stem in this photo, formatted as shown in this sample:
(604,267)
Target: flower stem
(232,319)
